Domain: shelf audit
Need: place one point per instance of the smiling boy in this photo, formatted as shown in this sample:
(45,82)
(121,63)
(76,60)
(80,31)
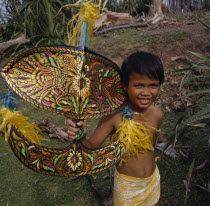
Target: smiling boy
(136,179)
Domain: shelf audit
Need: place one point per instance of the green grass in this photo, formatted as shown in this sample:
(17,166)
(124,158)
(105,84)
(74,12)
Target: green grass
(23,187)
(170,37)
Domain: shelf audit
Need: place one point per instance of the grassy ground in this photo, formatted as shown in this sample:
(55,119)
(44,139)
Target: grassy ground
(19,186)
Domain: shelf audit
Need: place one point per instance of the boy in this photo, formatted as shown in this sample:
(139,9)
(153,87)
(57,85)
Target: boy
(136,179)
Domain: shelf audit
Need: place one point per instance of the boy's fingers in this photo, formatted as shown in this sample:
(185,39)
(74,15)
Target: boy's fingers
(72,137)
(70,123)
(72,134)
(72,131)
(82,124)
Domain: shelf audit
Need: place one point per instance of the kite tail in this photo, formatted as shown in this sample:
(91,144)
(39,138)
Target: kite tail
(10,117)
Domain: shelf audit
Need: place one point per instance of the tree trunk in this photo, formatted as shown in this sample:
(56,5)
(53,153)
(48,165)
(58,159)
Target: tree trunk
(155,7)
(187,5)
(124,20)
(156,12)
(178,6)
(172,5)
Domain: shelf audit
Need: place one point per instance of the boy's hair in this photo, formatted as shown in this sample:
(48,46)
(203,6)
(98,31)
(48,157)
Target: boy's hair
(142,63)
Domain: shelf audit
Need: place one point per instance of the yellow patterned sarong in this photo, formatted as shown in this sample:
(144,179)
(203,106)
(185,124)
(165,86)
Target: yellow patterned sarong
(133,191)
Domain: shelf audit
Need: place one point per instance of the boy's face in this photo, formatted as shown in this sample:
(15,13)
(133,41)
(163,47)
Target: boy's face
(142,91)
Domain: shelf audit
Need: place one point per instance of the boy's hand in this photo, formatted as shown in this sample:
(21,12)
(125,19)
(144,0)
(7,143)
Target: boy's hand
(72,130)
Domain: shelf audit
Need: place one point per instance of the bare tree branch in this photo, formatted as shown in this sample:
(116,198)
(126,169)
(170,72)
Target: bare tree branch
(10,43)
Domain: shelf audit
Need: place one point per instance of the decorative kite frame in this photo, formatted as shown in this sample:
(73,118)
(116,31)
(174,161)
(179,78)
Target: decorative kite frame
(74,160)
(91,87)
(72,81)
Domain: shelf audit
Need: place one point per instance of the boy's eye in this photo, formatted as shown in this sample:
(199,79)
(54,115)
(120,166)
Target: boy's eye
(154,85)
(138,85)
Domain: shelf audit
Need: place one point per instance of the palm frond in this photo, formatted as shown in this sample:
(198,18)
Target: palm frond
(203,91)
(202,56)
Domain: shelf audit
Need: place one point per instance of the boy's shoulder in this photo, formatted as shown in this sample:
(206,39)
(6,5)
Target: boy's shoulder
(113,119)
(112,115)
(155,116)
(156,112)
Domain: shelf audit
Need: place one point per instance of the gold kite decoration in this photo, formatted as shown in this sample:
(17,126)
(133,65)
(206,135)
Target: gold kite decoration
(72,81)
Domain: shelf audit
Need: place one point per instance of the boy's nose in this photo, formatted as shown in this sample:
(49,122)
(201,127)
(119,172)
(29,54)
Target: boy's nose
(145,91)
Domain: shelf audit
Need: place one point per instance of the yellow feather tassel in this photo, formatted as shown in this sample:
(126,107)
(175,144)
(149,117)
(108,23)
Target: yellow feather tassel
(135,136)
(17,119)
(88,12)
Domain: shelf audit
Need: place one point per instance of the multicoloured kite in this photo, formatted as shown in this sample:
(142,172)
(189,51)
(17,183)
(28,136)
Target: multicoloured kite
(72,81)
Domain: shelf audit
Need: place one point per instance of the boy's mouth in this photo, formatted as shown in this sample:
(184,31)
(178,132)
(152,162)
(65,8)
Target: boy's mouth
(144,101)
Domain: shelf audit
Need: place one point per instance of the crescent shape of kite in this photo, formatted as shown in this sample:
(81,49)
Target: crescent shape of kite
(74,160)
(72,81)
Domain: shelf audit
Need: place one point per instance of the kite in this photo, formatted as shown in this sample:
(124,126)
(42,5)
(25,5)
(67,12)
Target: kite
(72,81)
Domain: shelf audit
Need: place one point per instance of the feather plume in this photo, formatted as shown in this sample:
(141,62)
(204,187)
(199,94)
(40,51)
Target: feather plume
(135,136)
(88,13)
(17,119)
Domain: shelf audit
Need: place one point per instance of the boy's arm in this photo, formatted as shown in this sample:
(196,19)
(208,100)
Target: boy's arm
(159,118)
(102,131)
